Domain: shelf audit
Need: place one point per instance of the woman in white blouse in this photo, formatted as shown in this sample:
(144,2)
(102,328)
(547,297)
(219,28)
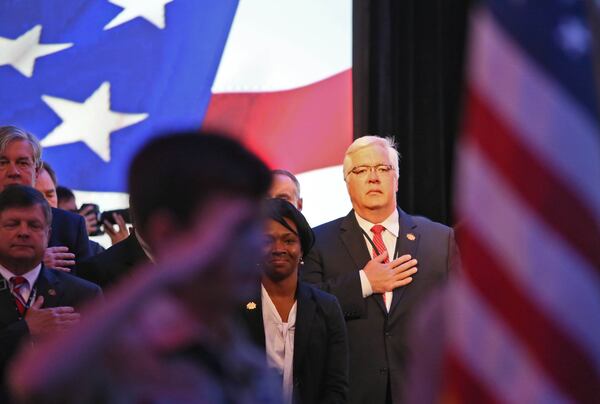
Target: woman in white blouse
(301,328)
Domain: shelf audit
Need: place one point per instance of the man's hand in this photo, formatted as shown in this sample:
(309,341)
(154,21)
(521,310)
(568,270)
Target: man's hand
(121,234)
(387,277)
(59,258)
(91,221)
(42,322)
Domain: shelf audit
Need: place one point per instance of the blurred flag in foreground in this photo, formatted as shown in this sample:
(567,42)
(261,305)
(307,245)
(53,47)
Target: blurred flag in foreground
(524,321)
(94,79)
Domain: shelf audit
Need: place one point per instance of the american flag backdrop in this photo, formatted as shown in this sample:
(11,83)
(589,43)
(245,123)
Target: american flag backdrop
(524,320)
(94,79)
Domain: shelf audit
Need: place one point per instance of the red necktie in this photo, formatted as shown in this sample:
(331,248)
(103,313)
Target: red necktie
(17,283)
(378,241)
(380,247)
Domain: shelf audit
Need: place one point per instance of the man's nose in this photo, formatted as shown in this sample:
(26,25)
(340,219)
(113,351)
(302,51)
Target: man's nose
(13,169)
(23,230)
(373,177)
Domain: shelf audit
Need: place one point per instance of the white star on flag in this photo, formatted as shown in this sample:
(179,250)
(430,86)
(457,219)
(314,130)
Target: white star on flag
(152,11)
(22,52)
(91,122)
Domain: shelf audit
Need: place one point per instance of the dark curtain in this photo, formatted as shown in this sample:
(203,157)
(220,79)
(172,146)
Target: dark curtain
(407,66)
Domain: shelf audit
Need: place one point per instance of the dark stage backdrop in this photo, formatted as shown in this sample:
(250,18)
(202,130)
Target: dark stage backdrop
(407,82)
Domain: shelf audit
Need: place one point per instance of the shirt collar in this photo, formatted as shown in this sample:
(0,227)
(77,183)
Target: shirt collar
(31,275)
(391,223)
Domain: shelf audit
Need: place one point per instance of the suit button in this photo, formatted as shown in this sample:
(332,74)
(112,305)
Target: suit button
(383,370)
(388,334)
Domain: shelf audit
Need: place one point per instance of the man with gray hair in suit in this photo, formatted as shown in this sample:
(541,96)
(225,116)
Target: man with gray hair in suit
(21,163)
(380,262)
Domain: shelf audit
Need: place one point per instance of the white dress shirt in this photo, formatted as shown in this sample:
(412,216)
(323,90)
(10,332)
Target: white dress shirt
(31,277)
(390,236)
(279,342)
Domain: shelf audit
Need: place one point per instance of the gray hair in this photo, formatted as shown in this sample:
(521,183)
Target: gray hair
(10,133)
(368,141)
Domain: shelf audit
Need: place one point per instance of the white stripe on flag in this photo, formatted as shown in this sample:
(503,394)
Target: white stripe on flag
(552,274)
(278,45)
(542,112)
(323,190)
(493,354)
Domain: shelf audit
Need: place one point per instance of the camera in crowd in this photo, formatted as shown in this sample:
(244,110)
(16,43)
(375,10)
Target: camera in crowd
(107,215)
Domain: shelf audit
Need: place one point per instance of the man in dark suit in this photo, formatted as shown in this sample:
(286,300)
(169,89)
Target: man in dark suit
(369,260)
(34,301)
(20,163)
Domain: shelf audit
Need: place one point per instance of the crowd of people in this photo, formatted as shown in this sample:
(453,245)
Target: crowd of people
(221,292)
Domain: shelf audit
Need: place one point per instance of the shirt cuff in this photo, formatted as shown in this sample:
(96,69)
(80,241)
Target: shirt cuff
(367,290)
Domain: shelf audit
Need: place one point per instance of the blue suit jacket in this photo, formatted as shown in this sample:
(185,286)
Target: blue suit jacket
(58,289)
(68,229)
(378,343)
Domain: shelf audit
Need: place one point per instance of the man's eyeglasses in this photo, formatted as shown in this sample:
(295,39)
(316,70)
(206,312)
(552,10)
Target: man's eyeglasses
(363,171)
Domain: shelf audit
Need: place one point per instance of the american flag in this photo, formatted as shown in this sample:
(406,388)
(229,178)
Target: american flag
(524,322)
(94,79)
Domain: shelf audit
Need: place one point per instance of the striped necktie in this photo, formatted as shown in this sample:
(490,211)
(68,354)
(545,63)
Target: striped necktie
(380,248)
(17,286)
(378,241)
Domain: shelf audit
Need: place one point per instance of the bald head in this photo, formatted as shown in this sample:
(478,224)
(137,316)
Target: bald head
(285,185)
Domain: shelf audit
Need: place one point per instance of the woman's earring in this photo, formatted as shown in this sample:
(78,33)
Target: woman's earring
(301,261)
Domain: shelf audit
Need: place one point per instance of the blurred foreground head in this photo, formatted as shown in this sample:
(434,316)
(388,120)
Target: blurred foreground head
(174,177)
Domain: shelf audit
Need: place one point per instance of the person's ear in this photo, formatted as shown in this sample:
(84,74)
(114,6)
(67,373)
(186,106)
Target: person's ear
(300,204)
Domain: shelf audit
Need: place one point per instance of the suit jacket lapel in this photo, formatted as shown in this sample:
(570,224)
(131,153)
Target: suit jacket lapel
(354,241)
(8,308)
(408,239)
(49,286)
(254,320)
(305,312)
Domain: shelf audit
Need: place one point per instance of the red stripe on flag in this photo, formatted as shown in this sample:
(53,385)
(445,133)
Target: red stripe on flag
(547,195)
(460,385)
(560,357)
(299,130)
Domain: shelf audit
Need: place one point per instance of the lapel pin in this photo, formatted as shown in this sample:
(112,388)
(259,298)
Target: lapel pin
(411,237)
(52,292)
(251,306)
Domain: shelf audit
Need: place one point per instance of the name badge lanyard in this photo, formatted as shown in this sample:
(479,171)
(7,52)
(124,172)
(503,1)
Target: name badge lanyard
(396,249)
(31,299)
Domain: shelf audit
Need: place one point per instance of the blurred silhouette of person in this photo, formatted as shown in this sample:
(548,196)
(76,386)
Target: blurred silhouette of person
(34,300)
(300,327)
(166,333)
